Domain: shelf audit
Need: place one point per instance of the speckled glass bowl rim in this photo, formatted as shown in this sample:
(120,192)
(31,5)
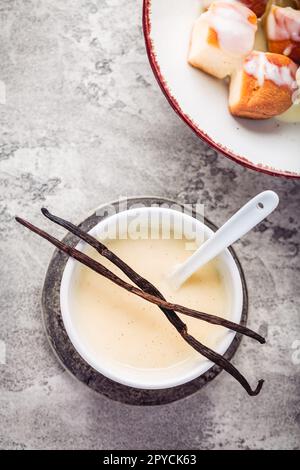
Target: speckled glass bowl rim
(241,160)
(79,369)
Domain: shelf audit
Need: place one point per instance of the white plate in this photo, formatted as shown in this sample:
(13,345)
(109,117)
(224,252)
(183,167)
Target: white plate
(270,146)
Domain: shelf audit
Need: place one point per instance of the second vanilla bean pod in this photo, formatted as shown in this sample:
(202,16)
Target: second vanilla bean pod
(181,327)
(145,285)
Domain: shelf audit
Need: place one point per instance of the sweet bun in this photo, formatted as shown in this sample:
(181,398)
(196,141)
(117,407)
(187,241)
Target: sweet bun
(222,37)
(263,86)
(283,32)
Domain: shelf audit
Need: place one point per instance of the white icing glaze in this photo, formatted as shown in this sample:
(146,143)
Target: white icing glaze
(258,66)
(236,34)
(283,24)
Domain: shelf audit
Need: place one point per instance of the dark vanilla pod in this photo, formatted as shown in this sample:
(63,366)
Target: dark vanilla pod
(150,293)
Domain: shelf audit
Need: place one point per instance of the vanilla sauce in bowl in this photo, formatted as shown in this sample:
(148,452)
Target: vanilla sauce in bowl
(125,328)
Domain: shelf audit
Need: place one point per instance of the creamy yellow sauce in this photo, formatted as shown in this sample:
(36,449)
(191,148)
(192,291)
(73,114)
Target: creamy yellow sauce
(291,115)
(124,328)
(260,39)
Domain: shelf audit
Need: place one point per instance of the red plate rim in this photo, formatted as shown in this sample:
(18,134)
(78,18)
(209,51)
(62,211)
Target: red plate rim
(174,104)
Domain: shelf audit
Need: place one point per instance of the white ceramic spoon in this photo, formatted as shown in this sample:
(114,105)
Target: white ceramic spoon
(238,225)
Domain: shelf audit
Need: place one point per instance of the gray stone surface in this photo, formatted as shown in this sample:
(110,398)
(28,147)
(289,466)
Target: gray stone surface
(85,122)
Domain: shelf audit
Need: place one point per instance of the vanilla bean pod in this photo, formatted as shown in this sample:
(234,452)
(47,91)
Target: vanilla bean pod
(180,326)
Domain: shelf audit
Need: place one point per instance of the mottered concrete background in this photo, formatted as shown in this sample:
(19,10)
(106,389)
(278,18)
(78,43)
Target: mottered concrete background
(83,122)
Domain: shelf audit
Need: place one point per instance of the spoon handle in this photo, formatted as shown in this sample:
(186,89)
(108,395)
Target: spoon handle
(238,225)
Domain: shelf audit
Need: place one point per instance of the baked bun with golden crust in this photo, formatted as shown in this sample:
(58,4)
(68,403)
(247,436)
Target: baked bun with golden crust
(263,87)
(222,37)
(283,32)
